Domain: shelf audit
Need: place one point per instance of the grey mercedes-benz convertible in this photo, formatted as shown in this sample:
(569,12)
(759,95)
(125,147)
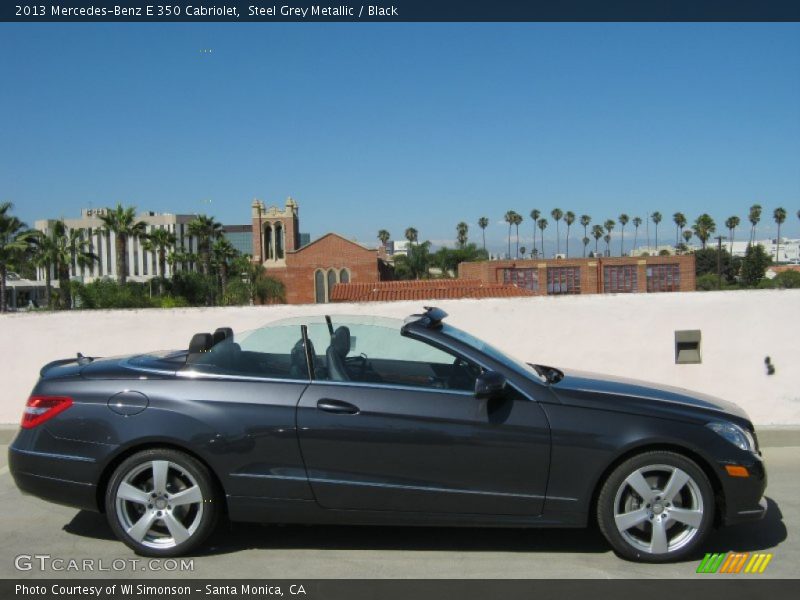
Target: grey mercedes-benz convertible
(367,420)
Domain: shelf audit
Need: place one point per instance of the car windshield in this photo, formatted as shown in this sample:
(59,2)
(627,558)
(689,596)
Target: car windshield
(470,340)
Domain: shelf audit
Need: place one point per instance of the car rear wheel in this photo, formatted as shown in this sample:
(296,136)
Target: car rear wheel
(161,502)
(656,507)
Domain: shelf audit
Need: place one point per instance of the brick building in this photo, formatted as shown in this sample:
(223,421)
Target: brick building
(309,273)
(424,289)
(615,275)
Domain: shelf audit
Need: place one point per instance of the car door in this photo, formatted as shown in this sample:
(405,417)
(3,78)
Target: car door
(396,437)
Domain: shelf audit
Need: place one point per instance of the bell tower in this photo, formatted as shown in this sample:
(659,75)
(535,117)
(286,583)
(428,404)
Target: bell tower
(276,231)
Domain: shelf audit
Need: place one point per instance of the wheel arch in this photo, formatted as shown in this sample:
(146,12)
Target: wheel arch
(701,461)
(117,460)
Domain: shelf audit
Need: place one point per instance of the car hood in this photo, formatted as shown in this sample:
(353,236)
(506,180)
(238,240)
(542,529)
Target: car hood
(622,393)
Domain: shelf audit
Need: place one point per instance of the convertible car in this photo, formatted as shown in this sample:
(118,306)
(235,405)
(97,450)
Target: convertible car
(367,420)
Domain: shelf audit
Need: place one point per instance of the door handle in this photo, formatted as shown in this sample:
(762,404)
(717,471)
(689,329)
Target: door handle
(337,406)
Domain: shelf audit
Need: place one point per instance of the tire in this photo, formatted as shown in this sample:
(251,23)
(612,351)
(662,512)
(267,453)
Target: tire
(171,518)
(656,507)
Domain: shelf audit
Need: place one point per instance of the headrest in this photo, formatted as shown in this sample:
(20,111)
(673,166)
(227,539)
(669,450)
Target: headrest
(341,341)
(201,342)
(221,334)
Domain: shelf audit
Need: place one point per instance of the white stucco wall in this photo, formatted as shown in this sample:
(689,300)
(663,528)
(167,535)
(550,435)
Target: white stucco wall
(627,335)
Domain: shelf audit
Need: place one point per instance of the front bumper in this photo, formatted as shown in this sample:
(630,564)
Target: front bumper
(744,496)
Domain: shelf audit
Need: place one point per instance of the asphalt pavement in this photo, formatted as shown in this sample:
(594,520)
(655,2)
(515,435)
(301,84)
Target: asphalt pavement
(33,528)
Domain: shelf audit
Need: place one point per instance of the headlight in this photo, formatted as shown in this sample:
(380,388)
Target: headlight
(741,438)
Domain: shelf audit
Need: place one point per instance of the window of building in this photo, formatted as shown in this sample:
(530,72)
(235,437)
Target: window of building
(135,246)
(279,240)
(331,283)
(319,287)
(663,278)
(523,278)
(344,276)
(620,279)
(267,242)
(563,280)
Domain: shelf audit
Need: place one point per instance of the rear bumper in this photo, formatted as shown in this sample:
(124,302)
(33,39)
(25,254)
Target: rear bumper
(56,478)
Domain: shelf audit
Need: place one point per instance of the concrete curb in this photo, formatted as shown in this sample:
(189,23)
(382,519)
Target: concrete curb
(768,437)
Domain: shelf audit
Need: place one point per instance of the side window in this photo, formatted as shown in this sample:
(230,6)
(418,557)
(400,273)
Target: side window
(269,352)
(381,355)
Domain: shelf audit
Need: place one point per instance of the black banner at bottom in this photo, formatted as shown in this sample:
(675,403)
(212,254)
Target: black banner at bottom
(387,589)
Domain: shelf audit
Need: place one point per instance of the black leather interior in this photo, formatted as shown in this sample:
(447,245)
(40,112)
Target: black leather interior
(299,363)
(201,343)
(336,353)
(222,334)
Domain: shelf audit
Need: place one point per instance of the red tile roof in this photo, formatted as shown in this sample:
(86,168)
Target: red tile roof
(425,289)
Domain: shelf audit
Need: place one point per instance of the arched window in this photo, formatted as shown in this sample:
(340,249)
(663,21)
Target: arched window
(279,240)
(267,241)
(319,287)
(331,283)
(344,276)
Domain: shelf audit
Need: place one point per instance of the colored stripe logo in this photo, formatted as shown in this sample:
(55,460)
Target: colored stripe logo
(734,563)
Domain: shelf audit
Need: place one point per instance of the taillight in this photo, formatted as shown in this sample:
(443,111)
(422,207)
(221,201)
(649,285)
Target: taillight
(43,408)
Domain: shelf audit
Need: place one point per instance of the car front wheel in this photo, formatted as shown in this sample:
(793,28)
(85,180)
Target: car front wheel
(161,502)
(656,507)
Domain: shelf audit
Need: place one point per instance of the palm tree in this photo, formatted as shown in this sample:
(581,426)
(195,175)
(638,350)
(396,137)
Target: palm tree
(159,241)
(569,219)
(517,222)
(224,253)
(680,222)
(687,235)
(607,240)
(542,223)
(609,227)
(732,223)
(522,251)
(557,213)
(44,258)
(623,220)
(780,216)
(637,222)
(509,218)
(754,217)
(412,235)
(535,214)
(597,232)
(585,241)
(462,234)
(656,217)
(703,227)
(206,230)
(384,236)
(70,248)
(483,223)
(15,241)
(123,224)
(585,220)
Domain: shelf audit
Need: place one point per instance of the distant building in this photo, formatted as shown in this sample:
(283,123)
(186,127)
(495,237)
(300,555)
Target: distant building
(617,275)
(142,265)
(240,237)
(653,250)
(789,249)
(397,247)
(309,272)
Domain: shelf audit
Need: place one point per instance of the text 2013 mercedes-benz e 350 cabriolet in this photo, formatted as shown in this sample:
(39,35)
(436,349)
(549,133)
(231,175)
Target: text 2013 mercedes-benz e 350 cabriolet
(367,420)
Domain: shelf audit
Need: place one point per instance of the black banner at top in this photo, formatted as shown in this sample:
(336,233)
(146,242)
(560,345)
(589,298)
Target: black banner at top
(399,11)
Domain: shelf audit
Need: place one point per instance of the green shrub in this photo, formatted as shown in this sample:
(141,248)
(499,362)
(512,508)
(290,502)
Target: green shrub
(107,293)
(236,294)
(787,279)
(172,302)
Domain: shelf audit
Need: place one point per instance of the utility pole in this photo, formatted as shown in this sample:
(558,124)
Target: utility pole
(719,239)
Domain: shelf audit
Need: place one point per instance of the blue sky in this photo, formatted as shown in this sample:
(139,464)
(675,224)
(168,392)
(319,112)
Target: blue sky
(375,126)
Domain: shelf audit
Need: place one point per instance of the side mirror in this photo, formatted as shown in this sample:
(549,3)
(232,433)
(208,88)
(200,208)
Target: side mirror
(489,385)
